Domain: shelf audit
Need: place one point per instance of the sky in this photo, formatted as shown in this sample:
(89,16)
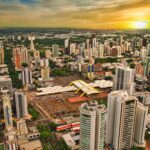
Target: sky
(83,14)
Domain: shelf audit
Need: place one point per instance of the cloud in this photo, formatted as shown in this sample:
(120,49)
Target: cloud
(97,14)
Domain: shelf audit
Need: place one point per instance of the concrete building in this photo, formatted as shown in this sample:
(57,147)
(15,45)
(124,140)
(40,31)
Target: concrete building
(92,126)
(55,50)
(26,76)
(124,79)
(7,111)
(120,120)
(140,126)
(21,104)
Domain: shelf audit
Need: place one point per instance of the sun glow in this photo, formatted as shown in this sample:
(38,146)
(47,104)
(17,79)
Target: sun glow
(140,25)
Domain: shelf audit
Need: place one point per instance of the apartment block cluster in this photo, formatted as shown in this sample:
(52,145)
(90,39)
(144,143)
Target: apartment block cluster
(125,124)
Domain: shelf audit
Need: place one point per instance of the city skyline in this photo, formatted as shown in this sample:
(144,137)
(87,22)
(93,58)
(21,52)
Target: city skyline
(85,14)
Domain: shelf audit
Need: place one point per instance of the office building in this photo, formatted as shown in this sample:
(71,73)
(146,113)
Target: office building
(92,126)
(26,76)
(21,104)
(140,126)
(7,111)
(55,50)
(121,117)
(124,79)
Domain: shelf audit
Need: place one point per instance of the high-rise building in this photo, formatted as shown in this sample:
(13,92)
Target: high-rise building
(72,48)
(21,104)
(94,43)
(66,43)
(55,50)
(147,65)
(20,55)
(101,51)
(124,79)
(92,126)
(140,127)
(1,53)
(7,111)
(120,123)
(26,76)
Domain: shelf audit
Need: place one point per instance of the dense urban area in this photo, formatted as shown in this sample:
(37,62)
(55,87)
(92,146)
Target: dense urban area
(74,89)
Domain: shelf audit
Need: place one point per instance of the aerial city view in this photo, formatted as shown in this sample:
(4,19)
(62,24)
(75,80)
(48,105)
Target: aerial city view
(74,74)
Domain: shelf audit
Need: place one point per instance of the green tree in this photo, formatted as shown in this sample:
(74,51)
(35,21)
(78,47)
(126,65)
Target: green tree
(24,64)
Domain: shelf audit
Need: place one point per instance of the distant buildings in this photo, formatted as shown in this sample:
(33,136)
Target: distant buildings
(120,120)
(124,79)
(21,105)
(26,76)
(7,111)
(92,126)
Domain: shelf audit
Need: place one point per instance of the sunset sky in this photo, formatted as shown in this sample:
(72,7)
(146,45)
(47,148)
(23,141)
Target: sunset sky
(87,14)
